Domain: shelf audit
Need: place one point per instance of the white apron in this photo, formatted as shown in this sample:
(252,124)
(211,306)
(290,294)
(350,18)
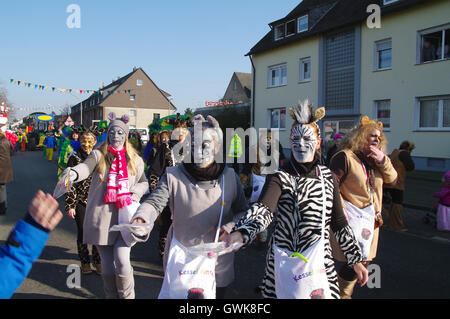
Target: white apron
(362,222)
(191,274)
(303,276)
(257,186)
(125,215)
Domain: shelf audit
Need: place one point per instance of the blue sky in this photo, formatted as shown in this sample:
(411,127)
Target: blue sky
(189,48)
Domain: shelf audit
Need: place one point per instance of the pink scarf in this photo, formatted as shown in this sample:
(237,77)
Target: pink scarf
(117,188)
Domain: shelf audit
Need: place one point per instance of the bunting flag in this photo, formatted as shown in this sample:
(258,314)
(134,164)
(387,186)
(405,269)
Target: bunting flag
(61,90)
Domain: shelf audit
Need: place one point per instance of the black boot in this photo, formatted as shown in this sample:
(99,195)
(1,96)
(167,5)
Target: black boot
(2,208)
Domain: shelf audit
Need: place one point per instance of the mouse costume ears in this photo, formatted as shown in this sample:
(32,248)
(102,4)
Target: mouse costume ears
(365,120)
(122,122)
(210,122)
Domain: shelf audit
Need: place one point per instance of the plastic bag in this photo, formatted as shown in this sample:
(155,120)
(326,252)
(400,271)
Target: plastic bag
(138,229)
(214,249)
(63,186)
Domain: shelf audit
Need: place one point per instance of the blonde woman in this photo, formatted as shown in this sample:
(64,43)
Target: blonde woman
(118,179)
(362,168)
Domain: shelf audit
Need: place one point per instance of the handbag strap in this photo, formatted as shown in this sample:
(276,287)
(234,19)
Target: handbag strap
(322,180)
(368,183)
(324,209)
(222,205)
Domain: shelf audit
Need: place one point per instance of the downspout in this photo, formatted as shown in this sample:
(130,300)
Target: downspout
(252,121)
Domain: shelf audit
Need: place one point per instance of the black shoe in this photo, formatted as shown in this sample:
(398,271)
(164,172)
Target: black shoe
(2,209)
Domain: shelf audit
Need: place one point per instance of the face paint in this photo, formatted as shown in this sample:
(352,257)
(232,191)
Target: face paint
(164,138)
(87,143)
(204,148)
(116,137)
(303,143)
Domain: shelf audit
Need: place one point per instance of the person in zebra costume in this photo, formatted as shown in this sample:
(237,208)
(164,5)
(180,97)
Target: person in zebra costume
(296,192)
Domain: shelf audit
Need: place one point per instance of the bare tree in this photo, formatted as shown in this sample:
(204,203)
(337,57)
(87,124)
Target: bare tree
(12,115)
(65,110)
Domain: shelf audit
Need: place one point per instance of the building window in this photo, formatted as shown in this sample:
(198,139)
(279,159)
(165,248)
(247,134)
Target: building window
(302,25)
(139,83)
(290,28)
(277,118)
(434,113)
(277,76)
(305,69)
(235,86)
(279,32)
(383,112)
(133,113)
(133,97)
(383,54)
(435,45)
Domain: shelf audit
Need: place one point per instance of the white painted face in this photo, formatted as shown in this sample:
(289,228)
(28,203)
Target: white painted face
(204,148)
(116,137)
(303,143)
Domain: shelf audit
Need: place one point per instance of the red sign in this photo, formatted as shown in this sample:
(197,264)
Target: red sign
(210,103)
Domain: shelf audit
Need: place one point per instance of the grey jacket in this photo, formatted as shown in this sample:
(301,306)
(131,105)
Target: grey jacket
(100,217)
(195,208)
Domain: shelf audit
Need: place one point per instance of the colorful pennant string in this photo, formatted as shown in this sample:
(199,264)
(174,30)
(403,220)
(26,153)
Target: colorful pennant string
(62,90)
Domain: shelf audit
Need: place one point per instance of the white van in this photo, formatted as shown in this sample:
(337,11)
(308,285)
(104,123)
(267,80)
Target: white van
(143,132)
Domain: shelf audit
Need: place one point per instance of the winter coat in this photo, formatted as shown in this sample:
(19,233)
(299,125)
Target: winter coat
(6,171)
(23,246)
(100,217)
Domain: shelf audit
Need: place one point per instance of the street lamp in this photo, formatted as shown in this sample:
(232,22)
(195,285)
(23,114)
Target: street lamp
(81,109)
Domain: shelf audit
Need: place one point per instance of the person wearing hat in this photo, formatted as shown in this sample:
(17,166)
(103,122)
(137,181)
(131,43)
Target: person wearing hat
(204,196)
(118,182)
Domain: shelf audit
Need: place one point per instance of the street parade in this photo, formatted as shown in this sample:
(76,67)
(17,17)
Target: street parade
(321,192)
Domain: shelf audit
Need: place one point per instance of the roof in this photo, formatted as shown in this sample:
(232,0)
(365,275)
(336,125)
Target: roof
(245,79)
(108,90)
(325,16)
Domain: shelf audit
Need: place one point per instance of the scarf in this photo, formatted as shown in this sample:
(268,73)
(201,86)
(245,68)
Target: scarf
(304,169)
(210,173)
(117,188)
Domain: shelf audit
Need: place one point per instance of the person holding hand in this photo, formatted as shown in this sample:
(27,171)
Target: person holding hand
(305,196)
(26,242)
(117,185)
(76,200)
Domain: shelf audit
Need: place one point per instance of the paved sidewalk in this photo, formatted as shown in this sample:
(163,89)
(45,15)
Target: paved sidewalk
(418,203)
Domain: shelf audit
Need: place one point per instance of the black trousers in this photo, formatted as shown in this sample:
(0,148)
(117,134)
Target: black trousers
(83,251)
(396,195)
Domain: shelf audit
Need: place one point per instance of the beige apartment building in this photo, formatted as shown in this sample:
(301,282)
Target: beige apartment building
(334,53)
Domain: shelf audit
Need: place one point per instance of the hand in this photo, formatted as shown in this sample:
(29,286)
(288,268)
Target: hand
(72,213)
(44,210)
(376,154)
(73,176)
(138,220)
(230,239)
(362,273)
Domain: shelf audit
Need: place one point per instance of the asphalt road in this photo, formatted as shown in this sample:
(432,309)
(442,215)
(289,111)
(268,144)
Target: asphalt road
(411,264)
